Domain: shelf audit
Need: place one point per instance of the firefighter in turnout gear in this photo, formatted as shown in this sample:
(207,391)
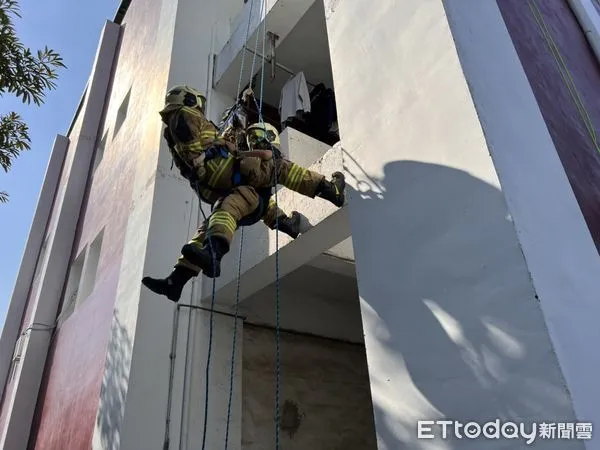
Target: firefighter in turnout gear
(233,127)
(236,183)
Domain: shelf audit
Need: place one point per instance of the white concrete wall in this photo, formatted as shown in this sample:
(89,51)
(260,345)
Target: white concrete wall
(132,405)
(325,401)
(312,301)
(453,327)
(165,214)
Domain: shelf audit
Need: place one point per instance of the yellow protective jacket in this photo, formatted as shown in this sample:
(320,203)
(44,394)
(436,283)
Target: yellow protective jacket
(189,134)
(192,134)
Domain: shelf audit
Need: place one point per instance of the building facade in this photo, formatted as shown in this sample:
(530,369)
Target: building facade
(460,282)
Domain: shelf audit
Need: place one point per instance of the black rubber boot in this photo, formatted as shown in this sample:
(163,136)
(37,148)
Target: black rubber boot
(203,257)
(333,190)
(171,286)
(289,225)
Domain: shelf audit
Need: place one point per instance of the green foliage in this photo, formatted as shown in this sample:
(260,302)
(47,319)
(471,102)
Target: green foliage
(25,74)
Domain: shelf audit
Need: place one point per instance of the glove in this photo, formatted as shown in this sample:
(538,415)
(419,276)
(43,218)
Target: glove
(231,147)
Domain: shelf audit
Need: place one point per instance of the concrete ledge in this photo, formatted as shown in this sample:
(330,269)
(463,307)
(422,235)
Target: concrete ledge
(301,148)
(344,250)
(328,226)
(331,263)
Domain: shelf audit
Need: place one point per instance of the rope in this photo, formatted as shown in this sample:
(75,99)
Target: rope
(277,322)
(233,344)
(239,88)
(277,287)
(259,106)
(213,295)
(238,284)
(210,339)
(565,73)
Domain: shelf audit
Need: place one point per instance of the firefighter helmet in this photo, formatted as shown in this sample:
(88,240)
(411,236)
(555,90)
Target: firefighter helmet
(262,136)
(183,95)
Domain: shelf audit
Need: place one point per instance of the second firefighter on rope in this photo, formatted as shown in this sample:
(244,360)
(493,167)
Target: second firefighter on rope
(236,183)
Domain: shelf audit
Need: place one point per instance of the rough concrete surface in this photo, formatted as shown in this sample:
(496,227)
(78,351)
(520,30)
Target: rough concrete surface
(325,397)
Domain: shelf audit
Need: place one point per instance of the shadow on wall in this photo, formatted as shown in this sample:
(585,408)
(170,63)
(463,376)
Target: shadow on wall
(460,335)
(114,384)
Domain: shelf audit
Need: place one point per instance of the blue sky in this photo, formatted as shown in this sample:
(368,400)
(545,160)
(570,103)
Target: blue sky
(73,29)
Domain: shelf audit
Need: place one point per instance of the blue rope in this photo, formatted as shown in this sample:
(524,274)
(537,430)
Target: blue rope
(262,72)
(233,345)
(277,287)
(259,107)
(237,299)
(210,339)
(213,297)
(239,88)
(277,323)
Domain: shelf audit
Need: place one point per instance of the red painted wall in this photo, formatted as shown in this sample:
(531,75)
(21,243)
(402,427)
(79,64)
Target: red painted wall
(36,279)
(575,147)
(68,402)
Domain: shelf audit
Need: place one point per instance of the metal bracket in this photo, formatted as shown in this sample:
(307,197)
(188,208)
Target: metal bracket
(273,38)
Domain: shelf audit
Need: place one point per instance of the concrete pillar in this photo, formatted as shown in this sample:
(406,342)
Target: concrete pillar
(456,186)
(32,255)
(23,398)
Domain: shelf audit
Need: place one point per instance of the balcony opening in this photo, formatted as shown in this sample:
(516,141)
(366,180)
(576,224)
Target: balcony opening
(298,81)
(325,391)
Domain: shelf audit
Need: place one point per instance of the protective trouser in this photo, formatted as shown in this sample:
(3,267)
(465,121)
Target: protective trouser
(269,218)
(272,213)
(219,174)
(255,174)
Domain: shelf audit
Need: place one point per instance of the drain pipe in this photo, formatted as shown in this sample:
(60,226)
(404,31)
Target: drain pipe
(172,356)
(588,17)
(273,38)
(195,288)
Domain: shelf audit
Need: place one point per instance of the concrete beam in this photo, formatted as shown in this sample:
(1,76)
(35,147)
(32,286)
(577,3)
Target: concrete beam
(281,17)
(326,224)
(344,250)
(334,264)
(291,256)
